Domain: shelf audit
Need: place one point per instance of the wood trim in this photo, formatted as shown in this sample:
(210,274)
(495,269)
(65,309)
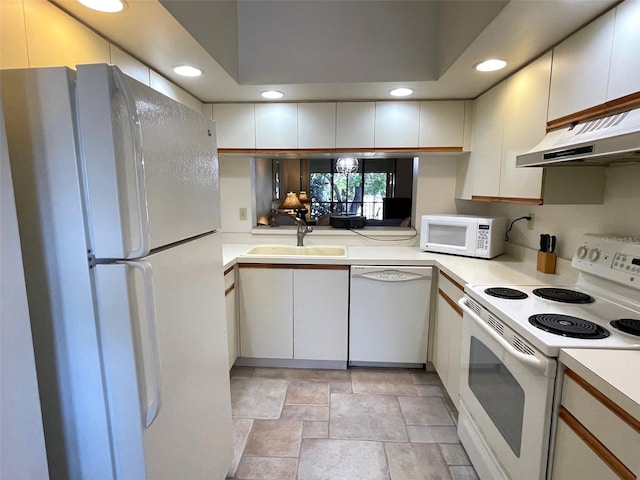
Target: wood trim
(295,266)
(229,290)
(517,200)
(455,283)
(335,151)
(619,468)
(451,303)
(230,269)
(604,400)
(607,108)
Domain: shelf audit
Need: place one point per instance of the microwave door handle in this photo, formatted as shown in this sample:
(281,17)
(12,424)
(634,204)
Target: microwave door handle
(526,359)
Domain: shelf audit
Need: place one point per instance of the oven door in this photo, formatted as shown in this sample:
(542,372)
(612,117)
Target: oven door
(506,394)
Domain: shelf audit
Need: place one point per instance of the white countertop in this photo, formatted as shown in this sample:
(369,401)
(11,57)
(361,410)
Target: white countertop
(501,270)
(609,371)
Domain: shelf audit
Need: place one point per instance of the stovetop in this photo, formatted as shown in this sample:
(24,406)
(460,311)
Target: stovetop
(515,314)
(608,289)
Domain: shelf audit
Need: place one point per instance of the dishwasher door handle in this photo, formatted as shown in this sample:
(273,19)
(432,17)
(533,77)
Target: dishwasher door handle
(393,276)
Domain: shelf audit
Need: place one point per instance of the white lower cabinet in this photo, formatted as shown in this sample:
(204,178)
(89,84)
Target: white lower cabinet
(447,336)
(266,312)
(596,439)
(320,313)
(296,312)
(230,299)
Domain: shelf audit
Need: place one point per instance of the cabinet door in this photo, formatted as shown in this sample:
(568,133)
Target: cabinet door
(581,68)
(355,124)
(276,125)
(230,297)
(316,125)
(266,312)
(624,77)
(525,119)
(321,311)
(455,351)
(441,335)
(397,124)
(486,143)
(441,124)
(235,125)
(447,346)
(575,460)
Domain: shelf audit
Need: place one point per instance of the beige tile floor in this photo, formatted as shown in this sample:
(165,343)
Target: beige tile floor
(356,424)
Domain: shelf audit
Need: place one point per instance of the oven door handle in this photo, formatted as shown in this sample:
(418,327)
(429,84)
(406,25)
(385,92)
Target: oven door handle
(529,360)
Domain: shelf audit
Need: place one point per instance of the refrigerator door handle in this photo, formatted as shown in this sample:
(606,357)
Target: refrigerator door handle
(138,162)
(151,406)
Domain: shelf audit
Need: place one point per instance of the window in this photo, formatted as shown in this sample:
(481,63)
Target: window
(370,192)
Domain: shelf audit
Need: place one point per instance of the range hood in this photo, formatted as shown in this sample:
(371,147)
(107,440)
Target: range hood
(603,141)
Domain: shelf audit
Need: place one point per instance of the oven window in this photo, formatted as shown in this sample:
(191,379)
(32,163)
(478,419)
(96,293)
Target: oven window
(498,392)
(447,235)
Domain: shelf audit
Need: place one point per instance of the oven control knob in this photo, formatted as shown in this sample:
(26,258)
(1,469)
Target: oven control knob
(582,252)
(594,254)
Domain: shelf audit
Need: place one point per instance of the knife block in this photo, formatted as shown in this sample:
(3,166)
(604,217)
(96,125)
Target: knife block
(546,262)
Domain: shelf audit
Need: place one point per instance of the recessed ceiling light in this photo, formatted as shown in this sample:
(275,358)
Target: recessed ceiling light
(272,94)
(107,6)
(490,65)
(401,92)
(187,70)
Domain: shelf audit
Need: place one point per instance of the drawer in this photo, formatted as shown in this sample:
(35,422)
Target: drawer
(450,287)
(618,435)
(229,278)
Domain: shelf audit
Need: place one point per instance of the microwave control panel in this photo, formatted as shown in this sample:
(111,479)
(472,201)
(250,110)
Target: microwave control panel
(482,240)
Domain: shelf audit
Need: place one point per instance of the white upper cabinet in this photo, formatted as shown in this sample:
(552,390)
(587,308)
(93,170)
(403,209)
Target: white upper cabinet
(355,124)
(486,142)
(624,78)
(581,68)
(276,125)
(235,125)
(316,125)
(524,126)
(397,124)
(441,124)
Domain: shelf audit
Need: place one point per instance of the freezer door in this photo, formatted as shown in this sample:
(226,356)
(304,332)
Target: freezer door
(165,362)
(150,165)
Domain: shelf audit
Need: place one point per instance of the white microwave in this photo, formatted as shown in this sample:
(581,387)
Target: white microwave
(468,235)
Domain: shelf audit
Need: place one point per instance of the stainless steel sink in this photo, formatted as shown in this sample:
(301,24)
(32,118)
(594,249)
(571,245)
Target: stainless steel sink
(292,251)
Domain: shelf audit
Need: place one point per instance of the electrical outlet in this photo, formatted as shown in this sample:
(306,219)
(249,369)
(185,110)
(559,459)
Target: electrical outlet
(530,222)
(243,213)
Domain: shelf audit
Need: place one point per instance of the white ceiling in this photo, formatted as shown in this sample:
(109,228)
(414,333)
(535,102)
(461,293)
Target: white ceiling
(339,49)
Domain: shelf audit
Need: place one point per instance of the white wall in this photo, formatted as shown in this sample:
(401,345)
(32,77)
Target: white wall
(36,33)
(235,193)
(619,214)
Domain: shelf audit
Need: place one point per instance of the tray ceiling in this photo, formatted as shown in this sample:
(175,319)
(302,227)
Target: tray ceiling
(337,50)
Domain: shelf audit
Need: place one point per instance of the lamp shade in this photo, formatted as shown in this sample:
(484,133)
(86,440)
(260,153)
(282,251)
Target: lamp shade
(303,197)
(291,202)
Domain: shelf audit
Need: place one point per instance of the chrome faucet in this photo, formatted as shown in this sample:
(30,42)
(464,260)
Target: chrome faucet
(303,229)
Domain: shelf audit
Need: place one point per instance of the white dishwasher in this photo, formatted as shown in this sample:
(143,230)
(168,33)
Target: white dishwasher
(389,315)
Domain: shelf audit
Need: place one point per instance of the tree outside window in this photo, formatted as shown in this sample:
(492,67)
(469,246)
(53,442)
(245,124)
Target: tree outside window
(328,188)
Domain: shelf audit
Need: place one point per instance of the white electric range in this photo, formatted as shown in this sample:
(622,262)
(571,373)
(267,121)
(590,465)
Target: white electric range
(511,338)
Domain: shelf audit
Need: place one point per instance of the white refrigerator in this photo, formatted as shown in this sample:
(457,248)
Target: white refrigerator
(117,194)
